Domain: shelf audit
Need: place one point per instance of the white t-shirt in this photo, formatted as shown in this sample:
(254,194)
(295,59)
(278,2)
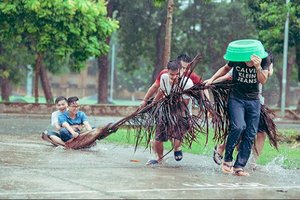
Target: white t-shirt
(54,117)
(165,85)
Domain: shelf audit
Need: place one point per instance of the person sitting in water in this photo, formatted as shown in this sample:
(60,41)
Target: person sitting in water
(52,136)
(72,121)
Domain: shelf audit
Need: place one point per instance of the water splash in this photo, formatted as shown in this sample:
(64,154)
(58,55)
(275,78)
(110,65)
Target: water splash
(276,164)
(60,148)
(276,168)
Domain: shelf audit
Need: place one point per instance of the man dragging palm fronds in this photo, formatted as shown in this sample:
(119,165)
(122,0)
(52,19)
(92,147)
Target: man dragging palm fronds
(169,116)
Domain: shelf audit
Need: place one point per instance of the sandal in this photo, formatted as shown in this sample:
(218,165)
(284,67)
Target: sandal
(217,156)
(227,168)
(178,155)
(152,162)
(240,172)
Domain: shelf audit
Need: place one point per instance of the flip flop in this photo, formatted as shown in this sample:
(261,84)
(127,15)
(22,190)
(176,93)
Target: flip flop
(152,162)
(225,165)
(217,156)
(240,172)
(177,154)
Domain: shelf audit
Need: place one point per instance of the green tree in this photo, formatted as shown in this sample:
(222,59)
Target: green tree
(198,28)
(207,28)
(141,36)
(14,58)
(114,10)
(269,17)
(74,28)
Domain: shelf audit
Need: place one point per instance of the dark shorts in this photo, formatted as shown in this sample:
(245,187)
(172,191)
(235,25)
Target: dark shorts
(162,136)
(53,133)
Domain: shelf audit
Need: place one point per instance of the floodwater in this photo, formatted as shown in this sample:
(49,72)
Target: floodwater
(32,168)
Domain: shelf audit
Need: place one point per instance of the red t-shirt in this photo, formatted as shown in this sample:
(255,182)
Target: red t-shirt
(194,77)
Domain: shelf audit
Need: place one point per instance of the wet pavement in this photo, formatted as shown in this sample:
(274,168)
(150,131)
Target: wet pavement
(31,168)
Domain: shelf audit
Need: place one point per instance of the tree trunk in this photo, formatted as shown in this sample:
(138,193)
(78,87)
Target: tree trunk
(103,59)
(297,47)
(36,82)
(103,78)
(159,52)
(46,85)
(4,80)
(171,5)
(4,85)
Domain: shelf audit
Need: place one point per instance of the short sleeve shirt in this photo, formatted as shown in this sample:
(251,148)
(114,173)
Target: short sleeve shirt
(79,119)
(54,117)
(194,77)
(167,86)
(246,77)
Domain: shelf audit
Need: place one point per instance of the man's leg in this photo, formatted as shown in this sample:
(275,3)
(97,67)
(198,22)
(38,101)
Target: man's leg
(177,147)
(65,135)
(252,118)
(221,148)
(237,111)
(158,146)
(57,140)
(53,137)
(158,149)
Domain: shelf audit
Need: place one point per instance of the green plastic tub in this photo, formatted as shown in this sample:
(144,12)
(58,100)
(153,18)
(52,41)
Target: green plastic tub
(242,50)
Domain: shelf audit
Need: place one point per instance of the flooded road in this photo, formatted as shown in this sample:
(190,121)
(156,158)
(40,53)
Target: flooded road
(31,168)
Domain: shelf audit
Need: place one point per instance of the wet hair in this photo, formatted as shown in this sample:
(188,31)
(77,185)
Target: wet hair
(271,56)
(72,99)
(185,58)
(173,65)
(60,98)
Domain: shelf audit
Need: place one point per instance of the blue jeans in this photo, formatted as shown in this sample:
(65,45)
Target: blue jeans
(244,116)
(53,133)
(66,135)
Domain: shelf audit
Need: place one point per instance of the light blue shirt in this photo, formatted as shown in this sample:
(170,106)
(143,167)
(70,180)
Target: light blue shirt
(79,119)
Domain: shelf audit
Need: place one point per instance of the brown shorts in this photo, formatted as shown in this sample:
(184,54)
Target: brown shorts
(162,135)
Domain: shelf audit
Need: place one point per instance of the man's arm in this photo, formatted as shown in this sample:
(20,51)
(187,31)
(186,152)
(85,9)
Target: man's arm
(271,70)
(87,125)
(222,78)
(206,93)
(186,101)
(57,126)
(154,87)
(262,74)
(67,126)
(159,95)
(221,72)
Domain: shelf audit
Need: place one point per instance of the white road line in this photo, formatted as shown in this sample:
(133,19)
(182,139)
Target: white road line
(63,192)
(21,144)
(206,188)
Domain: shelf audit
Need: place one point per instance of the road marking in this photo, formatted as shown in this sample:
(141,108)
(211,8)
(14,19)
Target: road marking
(21,144)
(206,188)
(63,192)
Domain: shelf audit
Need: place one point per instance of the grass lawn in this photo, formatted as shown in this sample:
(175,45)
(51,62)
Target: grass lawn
(18,98)
(286,156)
